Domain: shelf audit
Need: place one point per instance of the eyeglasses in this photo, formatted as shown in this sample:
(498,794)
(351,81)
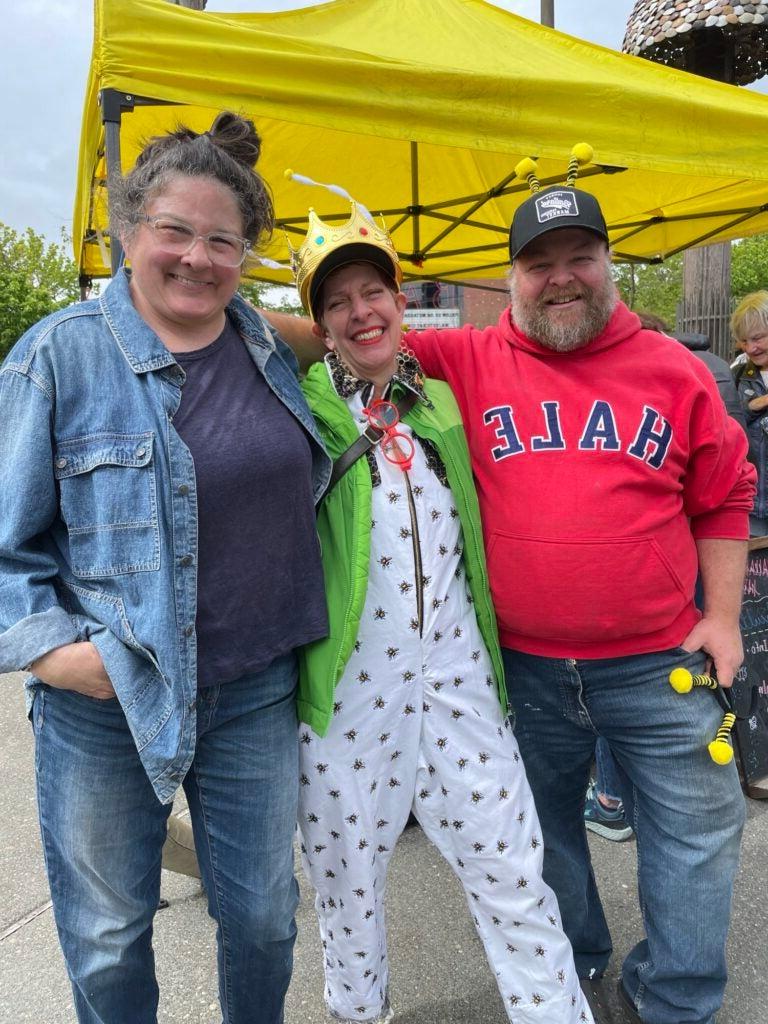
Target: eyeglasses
(224,249)
(395,446)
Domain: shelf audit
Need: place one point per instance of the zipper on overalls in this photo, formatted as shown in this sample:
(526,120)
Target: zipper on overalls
(417,563)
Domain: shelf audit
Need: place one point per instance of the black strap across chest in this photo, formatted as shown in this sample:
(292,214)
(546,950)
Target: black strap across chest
(369,437)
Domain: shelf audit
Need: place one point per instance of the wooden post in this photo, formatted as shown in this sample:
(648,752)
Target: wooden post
(698,37)
(706,303)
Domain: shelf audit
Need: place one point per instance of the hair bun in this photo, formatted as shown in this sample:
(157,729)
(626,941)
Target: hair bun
(237,136)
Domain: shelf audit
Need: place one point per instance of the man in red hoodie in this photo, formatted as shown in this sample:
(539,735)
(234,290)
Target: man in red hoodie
(609,476)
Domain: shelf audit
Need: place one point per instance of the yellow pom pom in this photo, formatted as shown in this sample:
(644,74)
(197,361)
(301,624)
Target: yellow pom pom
(681,680)
(288,173)
(720,752)
(582,152)
(525,167)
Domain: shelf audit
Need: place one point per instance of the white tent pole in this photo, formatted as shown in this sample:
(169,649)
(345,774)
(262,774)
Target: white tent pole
(111,113)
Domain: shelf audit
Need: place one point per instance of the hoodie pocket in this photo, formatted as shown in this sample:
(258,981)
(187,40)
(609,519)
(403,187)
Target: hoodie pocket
(588,590)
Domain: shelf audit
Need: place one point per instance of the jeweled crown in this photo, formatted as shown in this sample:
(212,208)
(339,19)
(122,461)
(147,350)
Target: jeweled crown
(323,240)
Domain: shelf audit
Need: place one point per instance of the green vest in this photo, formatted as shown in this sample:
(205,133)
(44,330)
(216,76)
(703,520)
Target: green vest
(344,528)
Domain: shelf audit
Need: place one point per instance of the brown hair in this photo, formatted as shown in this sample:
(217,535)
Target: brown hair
(227,153)
(652,322)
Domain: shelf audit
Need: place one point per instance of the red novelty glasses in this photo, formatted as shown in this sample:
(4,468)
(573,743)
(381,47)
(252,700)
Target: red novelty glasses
(396,447)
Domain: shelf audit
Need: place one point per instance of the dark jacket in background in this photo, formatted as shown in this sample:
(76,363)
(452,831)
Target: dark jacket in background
(751,386)
(721,371)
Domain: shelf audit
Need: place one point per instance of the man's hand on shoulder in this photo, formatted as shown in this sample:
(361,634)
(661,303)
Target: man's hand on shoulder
(297,333)
(722,642)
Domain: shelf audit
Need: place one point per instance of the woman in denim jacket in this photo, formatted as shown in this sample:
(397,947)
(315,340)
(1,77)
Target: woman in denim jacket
(158,474)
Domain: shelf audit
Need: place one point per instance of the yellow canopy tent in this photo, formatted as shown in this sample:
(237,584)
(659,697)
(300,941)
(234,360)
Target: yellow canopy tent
(421,110)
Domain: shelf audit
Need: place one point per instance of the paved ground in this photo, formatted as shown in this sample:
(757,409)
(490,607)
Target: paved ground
(439,975)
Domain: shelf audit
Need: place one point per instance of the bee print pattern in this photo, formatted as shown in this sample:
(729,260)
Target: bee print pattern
(416,717)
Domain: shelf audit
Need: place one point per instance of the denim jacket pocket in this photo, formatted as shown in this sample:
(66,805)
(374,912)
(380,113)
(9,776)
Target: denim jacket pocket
(108,502)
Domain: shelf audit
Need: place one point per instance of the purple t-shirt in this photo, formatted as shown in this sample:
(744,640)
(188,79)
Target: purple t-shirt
(260,585)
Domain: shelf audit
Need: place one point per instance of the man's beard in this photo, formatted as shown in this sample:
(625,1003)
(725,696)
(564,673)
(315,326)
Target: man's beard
(531,315)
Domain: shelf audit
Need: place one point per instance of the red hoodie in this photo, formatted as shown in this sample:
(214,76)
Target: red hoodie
(596,471)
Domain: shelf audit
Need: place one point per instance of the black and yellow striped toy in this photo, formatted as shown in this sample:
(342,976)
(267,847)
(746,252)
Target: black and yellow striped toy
(721,747)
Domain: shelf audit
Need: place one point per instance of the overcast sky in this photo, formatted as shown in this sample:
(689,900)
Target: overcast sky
(43,68)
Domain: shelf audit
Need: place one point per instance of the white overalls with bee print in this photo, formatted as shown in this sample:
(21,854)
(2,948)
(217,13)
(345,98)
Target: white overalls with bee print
(418,726)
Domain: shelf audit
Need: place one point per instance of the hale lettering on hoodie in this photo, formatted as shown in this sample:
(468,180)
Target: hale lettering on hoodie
(650,443)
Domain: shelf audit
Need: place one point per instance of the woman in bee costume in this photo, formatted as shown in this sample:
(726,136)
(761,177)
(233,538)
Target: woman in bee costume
(403,708)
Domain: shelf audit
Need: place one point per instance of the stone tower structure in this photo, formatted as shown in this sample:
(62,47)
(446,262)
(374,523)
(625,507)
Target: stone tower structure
(727,42)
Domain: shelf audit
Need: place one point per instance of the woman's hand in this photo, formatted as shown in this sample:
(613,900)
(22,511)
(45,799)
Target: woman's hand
(75,667)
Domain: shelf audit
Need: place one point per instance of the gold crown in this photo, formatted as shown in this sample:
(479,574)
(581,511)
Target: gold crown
(325,240)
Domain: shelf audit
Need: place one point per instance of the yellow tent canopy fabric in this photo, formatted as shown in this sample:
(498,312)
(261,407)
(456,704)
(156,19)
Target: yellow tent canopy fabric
(421,110)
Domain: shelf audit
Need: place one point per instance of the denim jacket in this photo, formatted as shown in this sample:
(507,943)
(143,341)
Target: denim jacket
(750,385)
(98,508)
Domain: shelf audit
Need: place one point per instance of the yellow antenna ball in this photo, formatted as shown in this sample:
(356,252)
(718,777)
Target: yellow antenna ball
(681,680)
(288,173)
(583,152)
(720,751)
(525,167)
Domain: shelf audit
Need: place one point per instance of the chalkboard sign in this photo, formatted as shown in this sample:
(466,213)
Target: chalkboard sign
(751,734)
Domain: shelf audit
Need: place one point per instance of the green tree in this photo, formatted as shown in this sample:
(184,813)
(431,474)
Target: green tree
(652,287)
(268,296)
(36,278)
(749,265)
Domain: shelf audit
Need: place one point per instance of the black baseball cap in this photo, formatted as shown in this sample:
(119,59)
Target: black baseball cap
(556,207)
(352,252)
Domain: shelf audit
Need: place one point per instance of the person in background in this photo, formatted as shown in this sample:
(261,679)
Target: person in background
(719,368)
(403,707)
(721,371)
(158,473)
(749,327)
(604,812)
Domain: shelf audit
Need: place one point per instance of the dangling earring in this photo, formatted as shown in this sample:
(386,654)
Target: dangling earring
(404,347)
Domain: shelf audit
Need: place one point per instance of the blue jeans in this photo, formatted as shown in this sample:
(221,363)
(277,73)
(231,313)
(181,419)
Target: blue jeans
(687,813)
(103,830)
